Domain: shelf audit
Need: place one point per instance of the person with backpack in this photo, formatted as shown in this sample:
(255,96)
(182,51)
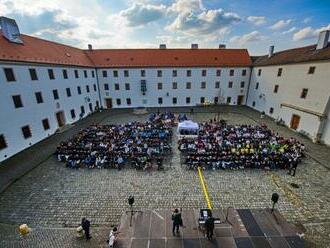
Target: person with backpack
(177,221)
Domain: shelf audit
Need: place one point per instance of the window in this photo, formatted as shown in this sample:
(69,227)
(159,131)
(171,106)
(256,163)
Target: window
(79,90)
(188,85)
(143,73)
(244,72)
(202,99)
(159,86)
(217,85)
(126,73)
(65,74)
(106,86)
(39,97)
(216,100)
(279,72)
(3,143)
(174,100)
(76,74)
(253,104)
(116,86)
(231,72)
(174,73)
(94,86)
(257,85)
(174,85)
(33,74)
(203,73)
(311,70)
(85,73)
(271,110)
(104,74)
(143,86)
(128,101)
(276,88)
(90,105)
(26,132)
(93,74)
(242,84)
(9,74)
(45,124)
(51,74)
(259,72)
(228,99)
(230,84)
(218,73)
(115,73)
(304,93)
(159,73)
(188,73)
(87,88)
(82,109)
(188,100)
(203,85)
(17,101)
(118,101)
(68,92)
(55,95)
(160,100)
(127,86)
(73,114)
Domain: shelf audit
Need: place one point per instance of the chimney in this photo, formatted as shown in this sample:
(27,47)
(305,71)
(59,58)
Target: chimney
(162,46)
(194,46)
(10,30)
(271,51)
(90,47)
(323,39)
(222,46)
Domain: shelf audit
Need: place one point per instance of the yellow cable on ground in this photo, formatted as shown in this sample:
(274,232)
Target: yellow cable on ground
(204,186)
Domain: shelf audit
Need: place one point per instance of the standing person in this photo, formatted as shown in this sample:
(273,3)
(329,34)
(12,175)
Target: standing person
(209,226)
(177,221)
(86,225)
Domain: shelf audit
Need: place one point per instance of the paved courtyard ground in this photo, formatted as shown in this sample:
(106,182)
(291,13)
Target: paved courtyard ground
(52,199)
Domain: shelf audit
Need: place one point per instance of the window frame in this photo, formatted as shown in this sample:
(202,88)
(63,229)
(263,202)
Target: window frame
(11,76)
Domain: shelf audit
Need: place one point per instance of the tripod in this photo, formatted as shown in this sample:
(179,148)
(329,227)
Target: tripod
(132,212)
(226,220)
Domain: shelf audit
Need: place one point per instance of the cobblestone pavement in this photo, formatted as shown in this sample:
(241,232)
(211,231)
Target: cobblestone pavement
(52,199)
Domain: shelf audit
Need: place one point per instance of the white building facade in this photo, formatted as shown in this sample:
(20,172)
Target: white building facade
(170,87)
(36,100)
(296,96)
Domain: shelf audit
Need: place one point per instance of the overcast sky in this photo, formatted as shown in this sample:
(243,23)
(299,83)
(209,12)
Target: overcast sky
(252,24)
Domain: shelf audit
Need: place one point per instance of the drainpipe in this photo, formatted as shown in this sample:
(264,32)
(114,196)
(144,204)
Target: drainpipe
(248,90)
(98,88)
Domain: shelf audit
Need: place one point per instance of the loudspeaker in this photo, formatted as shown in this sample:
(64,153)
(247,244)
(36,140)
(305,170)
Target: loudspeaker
(275,197)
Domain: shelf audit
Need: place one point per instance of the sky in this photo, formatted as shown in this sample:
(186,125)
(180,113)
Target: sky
(251,24)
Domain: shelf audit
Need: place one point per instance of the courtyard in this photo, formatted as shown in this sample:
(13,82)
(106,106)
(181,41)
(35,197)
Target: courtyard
(52,199)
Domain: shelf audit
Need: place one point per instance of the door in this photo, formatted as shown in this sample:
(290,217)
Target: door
(60,119)
(240,99)
(295,119)
(108,103)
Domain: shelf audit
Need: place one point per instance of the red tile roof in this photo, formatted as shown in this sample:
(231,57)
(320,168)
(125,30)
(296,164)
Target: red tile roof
(296,55)
(37,50)
(169,57)
(42,51)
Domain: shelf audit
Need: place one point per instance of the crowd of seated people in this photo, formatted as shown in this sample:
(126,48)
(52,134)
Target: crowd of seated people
(222,146)
(114,146)
(167,118)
